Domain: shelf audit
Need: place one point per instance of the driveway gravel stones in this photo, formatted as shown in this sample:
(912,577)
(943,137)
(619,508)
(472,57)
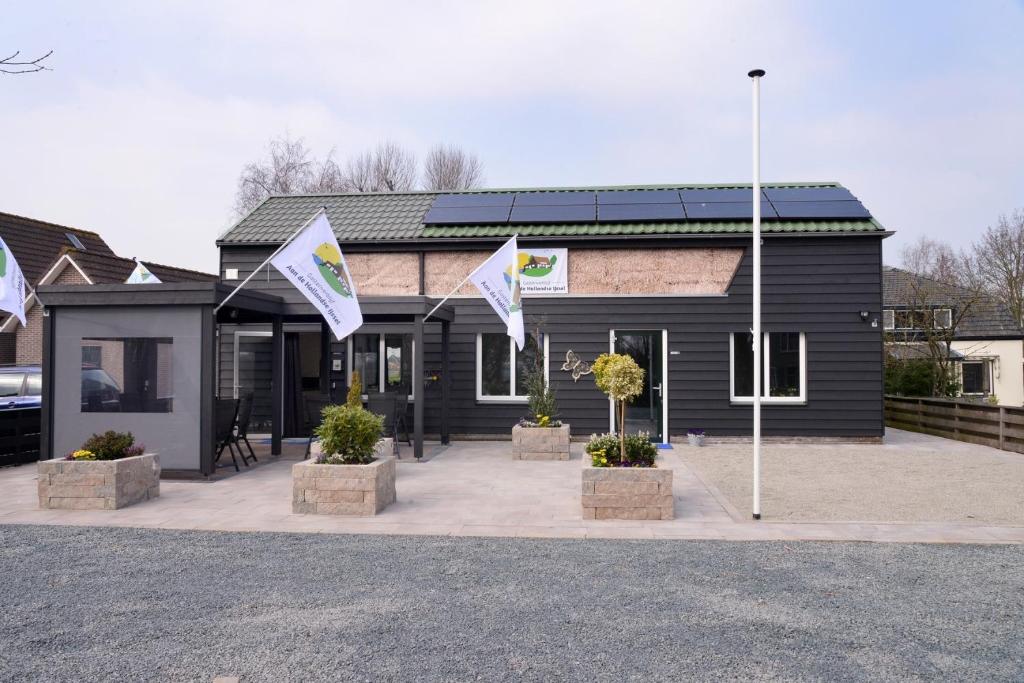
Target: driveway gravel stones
(83,603)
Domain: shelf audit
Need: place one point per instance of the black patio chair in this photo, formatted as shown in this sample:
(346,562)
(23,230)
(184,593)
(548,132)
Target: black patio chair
(242,427)
(384,404)
(402,414)
(224,429)
(313,406)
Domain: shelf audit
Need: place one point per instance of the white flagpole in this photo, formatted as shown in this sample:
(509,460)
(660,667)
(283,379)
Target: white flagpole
(260,267)
(756,75)
(465,280)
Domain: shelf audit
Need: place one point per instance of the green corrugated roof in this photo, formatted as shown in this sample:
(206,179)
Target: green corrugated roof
(399,217)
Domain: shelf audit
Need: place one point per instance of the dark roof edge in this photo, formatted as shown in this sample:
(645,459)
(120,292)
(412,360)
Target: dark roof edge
(52,226)
(438,241)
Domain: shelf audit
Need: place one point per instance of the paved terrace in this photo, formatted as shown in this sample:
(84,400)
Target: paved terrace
(476,489)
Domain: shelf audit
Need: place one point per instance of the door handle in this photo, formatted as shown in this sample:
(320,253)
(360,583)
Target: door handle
(658,389)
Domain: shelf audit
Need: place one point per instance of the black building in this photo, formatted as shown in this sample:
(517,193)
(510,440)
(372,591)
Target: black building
(662,273)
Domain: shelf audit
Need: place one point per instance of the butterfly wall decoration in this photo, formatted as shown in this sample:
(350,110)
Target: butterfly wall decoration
(576,365)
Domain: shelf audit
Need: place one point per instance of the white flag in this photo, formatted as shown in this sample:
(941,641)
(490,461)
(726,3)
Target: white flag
(313,263)
(142,276)
(12,284)
(498,280)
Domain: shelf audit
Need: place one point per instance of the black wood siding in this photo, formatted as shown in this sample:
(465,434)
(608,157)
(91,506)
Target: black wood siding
(811,284)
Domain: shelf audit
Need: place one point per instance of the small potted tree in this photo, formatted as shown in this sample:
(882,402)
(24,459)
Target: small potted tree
(108,472)
(620,477)
(540,436)
(351,471)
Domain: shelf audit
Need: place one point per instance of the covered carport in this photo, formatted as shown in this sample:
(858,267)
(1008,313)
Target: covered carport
(159,343)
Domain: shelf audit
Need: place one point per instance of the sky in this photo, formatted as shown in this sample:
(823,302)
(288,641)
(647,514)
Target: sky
(150,111)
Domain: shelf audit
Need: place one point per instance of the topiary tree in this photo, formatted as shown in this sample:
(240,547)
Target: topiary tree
(354,399)
(619,376)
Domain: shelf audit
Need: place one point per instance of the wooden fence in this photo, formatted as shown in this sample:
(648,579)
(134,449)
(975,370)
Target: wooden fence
(19,435)
(997,426)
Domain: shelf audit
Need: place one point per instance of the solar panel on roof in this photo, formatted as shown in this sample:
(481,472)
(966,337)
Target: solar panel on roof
(640,212)
(808,194)
(638,197)
(735,194)
(467,215)
(552,214)
(726,210)
(554,199)
(464,200)
(839,209)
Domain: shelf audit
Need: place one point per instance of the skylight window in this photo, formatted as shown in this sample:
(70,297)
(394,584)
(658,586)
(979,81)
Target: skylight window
(75,242)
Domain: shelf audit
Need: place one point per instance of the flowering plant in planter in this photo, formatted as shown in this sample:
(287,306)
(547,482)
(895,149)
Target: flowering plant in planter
(348,435)
(603,450)
(618,375)
(109,445)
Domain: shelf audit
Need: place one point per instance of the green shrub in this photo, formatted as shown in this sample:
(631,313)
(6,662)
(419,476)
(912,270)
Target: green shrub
(354,398)
(543,404)
(604,451)
(111,445)
(348,435)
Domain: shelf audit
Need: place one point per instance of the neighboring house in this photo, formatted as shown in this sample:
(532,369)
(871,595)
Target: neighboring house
(985,342)
(53,254)
(661,273)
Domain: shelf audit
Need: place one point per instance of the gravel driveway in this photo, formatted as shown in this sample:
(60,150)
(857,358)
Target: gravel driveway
(134,604)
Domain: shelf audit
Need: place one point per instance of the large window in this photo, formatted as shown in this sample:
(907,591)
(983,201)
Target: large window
(127,375)
(384,362)
(976,377)
(784,376)
(502,370)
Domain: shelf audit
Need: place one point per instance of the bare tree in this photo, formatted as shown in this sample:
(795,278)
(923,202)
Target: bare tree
(998,260)
(449,168)
(937,291)
(386,168)
(289,168)
(14,65)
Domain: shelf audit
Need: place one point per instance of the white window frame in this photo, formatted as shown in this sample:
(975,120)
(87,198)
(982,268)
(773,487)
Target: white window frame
(987,366)
(889,319)
(382,369)
(765,366)
(512,351)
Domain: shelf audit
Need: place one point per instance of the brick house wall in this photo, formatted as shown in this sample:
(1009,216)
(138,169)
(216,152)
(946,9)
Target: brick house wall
(29,339)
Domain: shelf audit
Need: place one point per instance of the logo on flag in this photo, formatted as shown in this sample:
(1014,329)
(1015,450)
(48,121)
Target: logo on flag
(142,276)
(12,284)
(497,278)
(313,262)
(327,258)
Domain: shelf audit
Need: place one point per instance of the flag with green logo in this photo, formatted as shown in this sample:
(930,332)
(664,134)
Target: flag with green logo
(142,276)
(314,264)
(497,278)
(12,284)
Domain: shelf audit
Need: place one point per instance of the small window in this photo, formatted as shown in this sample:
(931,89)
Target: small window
(75,242)
(231,273)
(127,375)
(502,370)
(943,318)
(888,320)
(976,376)
(784,376)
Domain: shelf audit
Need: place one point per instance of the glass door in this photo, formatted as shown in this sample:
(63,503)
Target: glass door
(645,413)
(253,366)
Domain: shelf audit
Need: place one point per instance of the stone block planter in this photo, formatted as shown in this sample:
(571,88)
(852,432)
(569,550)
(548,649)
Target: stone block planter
(540,443)
(98,484)
(357,490)
(626,492)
